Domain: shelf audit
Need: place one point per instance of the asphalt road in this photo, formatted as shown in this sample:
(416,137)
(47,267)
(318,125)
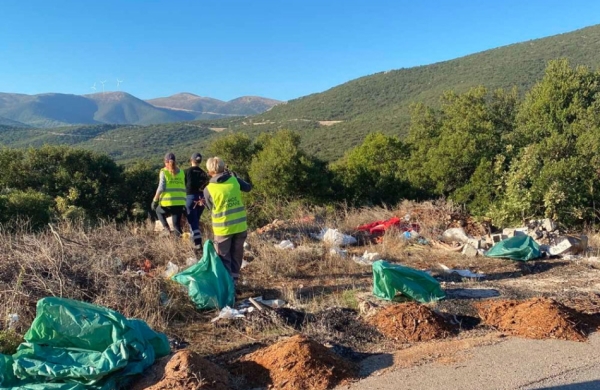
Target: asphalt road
(512,364)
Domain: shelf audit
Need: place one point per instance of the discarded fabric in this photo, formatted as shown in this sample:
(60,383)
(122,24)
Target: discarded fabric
(380,227)
(77,345)
(209,284)
(465,273)
(335,237)
(522,248)
(389,279)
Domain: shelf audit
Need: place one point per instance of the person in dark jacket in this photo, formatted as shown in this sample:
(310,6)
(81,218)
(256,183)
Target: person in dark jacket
(195,181)
(223,196)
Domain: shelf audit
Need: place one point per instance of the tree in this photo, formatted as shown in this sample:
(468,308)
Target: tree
(281,170)
(236,150)
(374,172)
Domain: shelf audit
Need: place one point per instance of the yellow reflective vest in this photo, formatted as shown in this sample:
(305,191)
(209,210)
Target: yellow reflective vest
(174,193)
(229,212)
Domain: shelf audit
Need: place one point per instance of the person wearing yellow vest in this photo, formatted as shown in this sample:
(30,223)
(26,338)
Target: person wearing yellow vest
(223,197)
(169,199)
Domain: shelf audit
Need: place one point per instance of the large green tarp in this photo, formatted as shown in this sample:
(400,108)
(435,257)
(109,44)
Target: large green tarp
(74,345)
(522,248)
(389,279)
(209,284)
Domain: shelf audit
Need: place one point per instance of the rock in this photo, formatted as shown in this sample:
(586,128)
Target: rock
(469,250)
(455,235)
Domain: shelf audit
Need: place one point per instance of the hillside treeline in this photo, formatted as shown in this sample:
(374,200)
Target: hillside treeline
(502,156)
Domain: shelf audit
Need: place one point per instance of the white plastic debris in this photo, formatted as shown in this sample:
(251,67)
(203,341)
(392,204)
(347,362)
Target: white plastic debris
(465,273)
(368,258)
(227,313)
(274,303)
(335,237)
(171,270)
(338,252)
(246,245)
(244,264)
(13,319)
(285,244)
(191,261)
(455,235)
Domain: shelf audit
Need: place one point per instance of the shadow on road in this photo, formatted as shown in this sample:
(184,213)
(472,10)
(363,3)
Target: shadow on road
(591,385)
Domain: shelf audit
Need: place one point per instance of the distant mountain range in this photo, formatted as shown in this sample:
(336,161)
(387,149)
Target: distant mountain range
(56,109)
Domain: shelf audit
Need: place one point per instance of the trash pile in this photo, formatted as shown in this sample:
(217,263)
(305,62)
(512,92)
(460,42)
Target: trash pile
(297,363)
(536,318)
(73,344)
(184,370)
(410,322)
(538,239)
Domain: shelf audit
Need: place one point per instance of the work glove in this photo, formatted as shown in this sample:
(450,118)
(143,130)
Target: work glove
(154,205)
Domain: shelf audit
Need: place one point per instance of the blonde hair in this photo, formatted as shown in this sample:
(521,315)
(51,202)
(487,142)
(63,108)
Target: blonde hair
(215,165)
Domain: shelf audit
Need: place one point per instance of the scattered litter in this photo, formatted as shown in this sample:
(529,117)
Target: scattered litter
(367,258)
(246,245)
(569,245)
(335,237)
(410,322)
(227,313)
(338,252)
(245,264)
(146,266)
(171,270)
(536,318)
(522,248)
(285,244)
(389,279)
(274,303)
(297,363)
(191,261)
(465,273)
(455,235)
(380,227)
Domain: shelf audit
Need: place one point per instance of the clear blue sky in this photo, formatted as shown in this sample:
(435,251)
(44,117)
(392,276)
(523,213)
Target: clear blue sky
(281,49)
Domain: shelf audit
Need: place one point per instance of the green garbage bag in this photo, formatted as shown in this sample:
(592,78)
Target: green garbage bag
(388,279)
(75,345)
(209,284)
(522,248)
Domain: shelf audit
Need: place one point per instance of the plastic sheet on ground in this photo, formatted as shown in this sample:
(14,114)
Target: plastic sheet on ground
(389,279)
(209,284)
(335,237)
(521,248)
(465,273)
(455,235)
(76,345)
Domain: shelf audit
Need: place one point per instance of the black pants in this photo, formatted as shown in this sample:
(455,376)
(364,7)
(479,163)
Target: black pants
(177,212)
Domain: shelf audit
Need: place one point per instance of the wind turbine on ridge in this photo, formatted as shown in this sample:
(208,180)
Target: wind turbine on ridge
(102,82)
(93,87)
(118,83)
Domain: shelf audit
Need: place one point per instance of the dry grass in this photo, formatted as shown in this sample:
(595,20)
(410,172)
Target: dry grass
(96,265)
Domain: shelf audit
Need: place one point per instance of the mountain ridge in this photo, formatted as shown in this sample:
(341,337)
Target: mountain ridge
(48,110)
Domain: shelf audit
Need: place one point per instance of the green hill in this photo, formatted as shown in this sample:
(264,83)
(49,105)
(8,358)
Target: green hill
(380,102)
